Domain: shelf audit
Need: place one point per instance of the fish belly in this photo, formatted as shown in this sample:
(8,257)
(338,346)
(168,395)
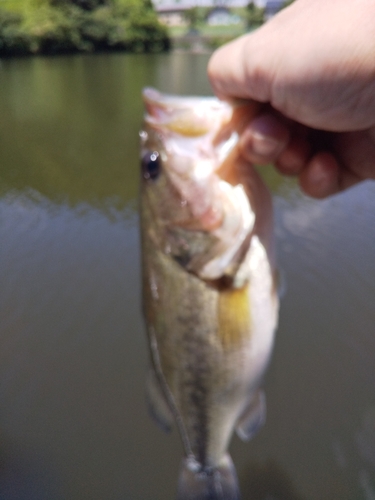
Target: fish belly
(211,347)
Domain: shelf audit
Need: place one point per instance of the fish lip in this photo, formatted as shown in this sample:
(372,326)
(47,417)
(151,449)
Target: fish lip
(158,104)
(172,116)
(152,99)
(151,94)
(155,109)
(154,96)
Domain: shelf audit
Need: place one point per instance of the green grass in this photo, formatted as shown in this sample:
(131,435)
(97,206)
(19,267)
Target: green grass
(212,31)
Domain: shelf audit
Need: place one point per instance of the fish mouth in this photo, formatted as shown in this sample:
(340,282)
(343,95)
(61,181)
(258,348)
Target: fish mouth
(187,116)
(170,101)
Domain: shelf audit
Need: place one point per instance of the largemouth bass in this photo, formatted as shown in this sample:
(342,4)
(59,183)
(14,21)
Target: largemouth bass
(209,294)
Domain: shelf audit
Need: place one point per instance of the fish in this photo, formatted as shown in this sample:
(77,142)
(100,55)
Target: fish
(209,283)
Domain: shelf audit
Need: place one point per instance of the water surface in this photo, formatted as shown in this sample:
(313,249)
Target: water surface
(73,422)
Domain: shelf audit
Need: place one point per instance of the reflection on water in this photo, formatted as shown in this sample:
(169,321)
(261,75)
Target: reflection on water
(73,423)
(69,126)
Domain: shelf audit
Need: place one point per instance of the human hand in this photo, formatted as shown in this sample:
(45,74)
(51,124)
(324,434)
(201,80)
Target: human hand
(313,67)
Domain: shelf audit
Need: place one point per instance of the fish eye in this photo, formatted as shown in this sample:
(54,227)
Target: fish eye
(151,165)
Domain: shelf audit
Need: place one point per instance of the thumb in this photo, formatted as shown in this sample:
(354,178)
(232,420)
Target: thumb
(235,70)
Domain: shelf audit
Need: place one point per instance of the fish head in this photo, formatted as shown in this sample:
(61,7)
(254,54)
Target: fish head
(196,208)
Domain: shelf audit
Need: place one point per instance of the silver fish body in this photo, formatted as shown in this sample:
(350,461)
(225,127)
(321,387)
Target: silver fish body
(209,291)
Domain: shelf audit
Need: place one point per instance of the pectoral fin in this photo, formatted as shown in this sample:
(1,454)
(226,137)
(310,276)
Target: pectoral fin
(280,283)
(157,404)
(253,417)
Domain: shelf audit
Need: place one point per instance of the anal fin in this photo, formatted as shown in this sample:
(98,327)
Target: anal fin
(157,404)
(253,418)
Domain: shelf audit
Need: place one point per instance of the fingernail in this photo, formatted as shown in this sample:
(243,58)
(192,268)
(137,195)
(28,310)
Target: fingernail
(318,177)
(264,146)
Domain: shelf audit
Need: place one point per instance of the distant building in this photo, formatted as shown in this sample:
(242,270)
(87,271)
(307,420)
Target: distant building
(163,6)
(171,15)
(171,11)
(222,16)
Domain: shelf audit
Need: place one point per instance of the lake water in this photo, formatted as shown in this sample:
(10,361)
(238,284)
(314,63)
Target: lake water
(73,421)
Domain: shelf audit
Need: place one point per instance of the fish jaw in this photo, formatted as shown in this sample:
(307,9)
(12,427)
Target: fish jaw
(185,116)
(184,132)
(185,128)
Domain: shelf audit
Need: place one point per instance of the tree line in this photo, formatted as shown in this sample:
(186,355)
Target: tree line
(66,26)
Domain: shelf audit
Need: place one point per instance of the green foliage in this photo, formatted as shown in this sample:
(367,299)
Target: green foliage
(12,38)
(286,3)
(195,17)
(57,26)
(89,5)
(254,15)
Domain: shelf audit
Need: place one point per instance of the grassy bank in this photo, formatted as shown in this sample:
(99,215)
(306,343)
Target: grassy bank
(206,38)
(199,33)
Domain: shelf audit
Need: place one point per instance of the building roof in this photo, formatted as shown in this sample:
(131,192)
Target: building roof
(181,5)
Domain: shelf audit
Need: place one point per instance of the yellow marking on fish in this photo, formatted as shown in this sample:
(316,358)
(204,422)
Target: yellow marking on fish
(234,317)
(188,128)
(186,123)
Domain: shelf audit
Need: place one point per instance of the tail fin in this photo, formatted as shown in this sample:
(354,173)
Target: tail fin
(219,483)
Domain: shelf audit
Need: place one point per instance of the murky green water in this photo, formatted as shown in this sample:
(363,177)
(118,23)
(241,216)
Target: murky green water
(73,422)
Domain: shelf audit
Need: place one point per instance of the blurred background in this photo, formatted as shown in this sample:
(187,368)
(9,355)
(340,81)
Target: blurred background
(68,26)
(73,353)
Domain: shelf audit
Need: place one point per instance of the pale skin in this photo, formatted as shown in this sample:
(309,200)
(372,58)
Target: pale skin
(310,71)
